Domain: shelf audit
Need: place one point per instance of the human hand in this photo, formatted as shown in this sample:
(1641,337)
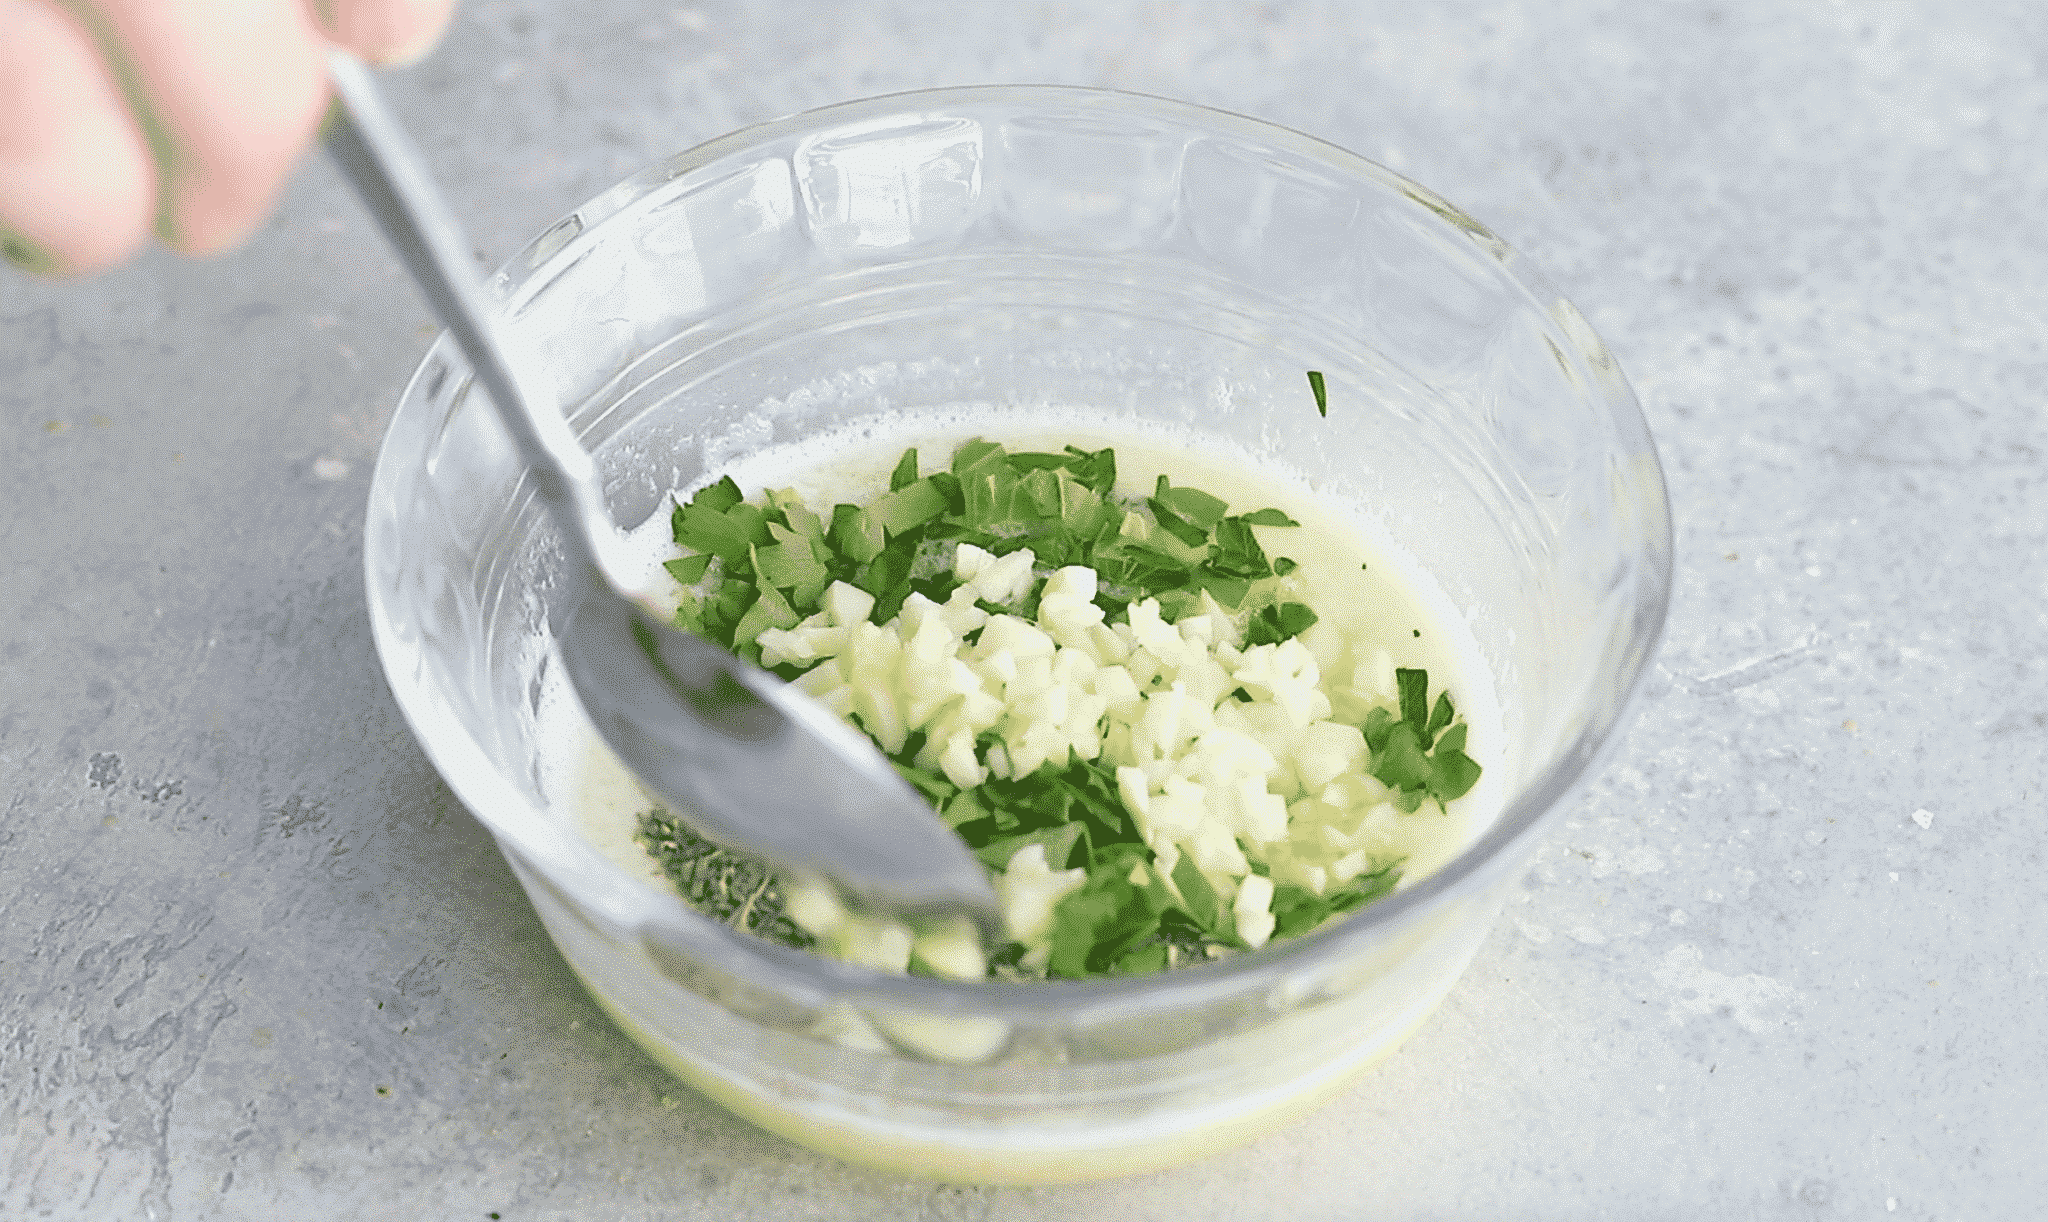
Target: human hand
(119,118)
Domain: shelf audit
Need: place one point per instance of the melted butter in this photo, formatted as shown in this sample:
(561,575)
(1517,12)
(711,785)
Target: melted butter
(1367,594)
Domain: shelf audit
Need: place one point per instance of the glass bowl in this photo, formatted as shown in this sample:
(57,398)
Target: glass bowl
(979,255)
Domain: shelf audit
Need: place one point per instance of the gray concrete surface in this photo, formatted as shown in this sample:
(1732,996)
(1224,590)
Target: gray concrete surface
(1784,960)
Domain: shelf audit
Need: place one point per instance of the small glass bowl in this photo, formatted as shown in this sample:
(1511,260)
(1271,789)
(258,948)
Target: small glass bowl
(998,250)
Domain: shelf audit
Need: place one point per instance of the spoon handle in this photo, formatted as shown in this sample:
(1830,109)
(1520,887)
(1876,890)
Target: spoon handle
(389,174)
(758,766)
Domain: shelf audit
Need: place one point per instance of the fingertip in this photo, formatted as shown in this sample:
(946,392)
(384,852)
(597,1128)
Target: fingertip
(388,32)
(407,53)
(76,183)
(215,209)
(238,123)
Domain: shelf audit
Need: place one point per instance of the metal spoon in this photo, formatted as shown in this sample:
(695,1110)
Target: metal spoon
(747,760)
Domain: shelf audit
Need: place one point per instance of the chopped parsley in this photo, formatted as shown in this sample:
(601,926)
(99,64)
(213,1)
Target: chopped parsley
(768,566)
(755,566)
(1273,624)
(1421,752)
(1315,384)
(1299,910)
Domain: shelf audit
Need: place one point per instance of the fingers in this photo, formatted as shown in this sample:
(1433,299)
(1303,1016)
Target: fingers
(75,179)
(116,115)
(225,93)
(384,31)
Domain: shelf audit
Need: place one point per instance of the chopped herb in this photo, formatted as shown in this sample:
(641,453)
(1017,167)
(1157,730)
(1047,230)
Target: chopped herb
(905,473)
(1315,383)
(1423,752)
(856,535)
(721,884)
(1296,910)
(755,566)
(1277,623)
(1198,898)
(908,507)
(688,570)
(1269,517)
(1236,552)
(1413,686)
(1191,533)
(788,565)
(1193,504)
(718,497)
(768,610)
(1126,921)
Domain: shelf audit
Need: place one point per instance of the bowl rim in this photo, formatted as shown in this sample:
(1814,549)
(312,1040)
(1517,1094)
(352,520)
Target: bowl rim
(663,921)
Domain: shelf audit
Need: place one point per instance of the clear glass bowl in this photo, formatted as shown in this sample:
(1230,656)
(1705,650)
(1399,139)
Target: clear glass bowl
(988,251)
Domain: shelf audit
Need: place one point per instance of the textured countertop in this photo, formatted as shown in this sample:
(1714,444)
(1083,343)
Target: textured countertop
(1787,958)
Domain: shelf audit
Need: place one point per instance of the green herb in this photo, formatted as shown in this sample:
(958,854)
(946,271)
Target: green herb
(1420,752)
(721,884)
(1115,926)
(790,565)
(757,566)
(717,521)
(1189,505)
(905,473)
(688,570)
(1174,545)
(1296,910)
(1315,383)
(1277,623)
